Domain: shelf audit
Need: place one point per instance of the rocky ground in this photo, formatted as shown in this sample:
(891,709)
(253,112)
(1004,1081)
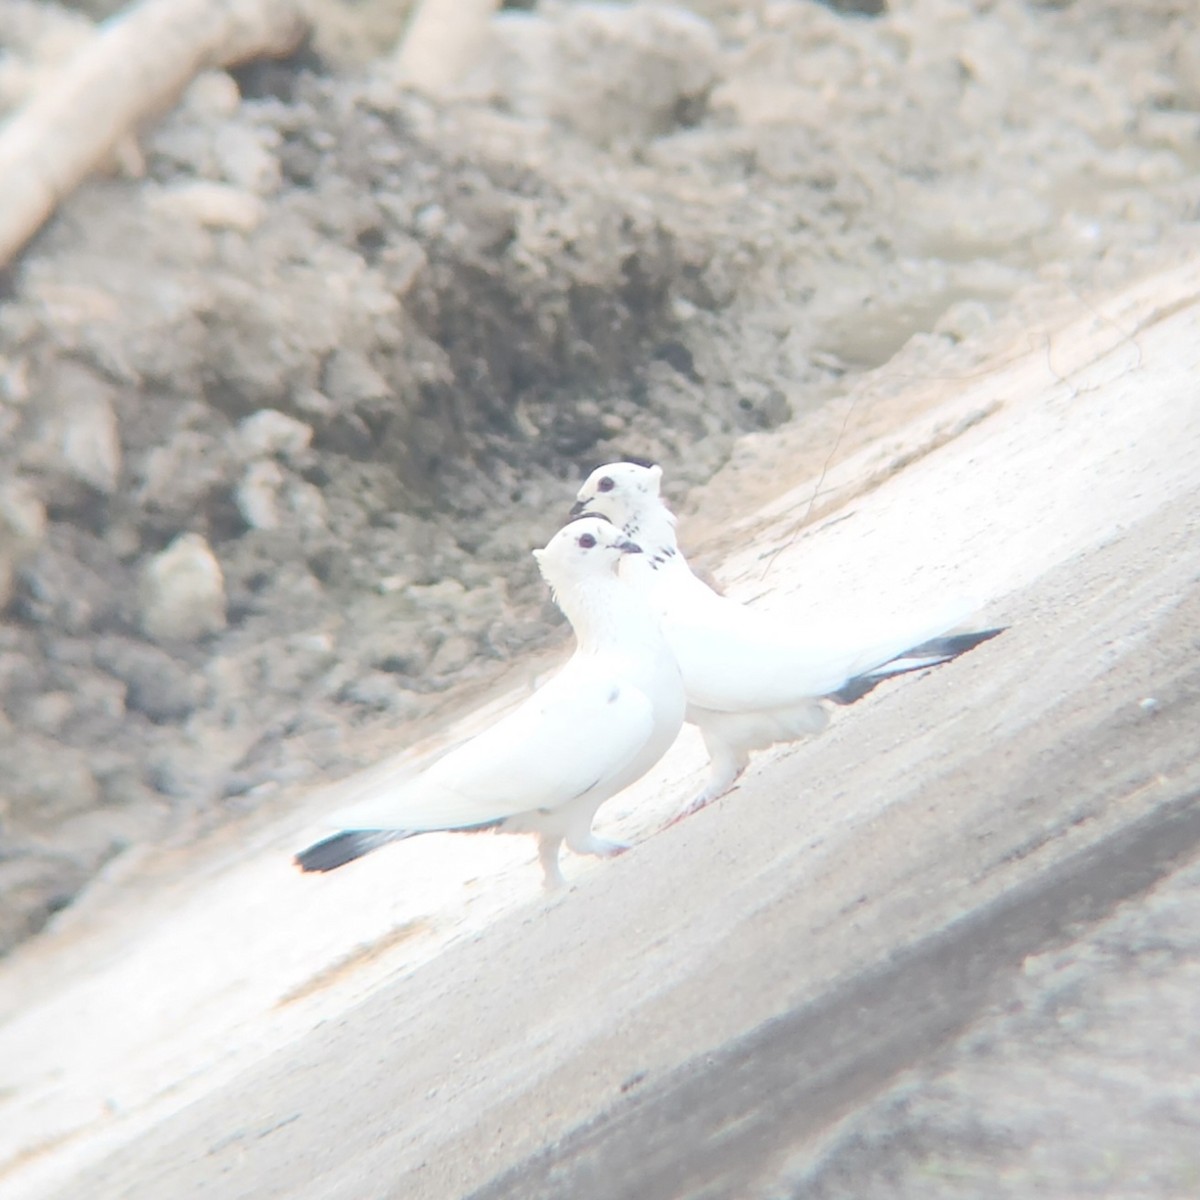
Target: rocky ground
(280,419)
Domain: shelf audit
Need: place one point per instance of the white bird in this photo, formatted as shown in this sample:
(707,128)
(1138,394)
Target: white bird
(601,723)
(751,680)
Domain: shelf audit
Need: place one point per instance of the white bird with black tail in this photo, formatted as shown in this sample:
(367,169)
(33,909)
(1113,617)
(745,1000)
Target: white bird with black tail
(600,724)
(751,681)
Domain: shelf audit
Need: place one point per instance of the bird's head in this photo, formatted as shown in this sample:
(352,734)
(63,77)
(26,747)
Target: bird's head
(624,492)
(586,548)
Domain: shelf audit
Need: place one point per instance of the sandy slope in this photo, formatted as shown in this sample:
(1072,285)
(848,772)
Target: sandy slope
(723,1011)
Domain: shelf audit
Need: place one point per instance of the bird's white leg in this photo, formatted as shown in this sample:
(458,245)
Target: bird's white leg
(548,844)
(726,764)
(589,843)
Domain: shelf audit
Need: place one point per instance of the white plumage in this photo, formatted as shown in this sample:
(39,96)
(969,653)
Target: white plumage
(597,726)
(751,680)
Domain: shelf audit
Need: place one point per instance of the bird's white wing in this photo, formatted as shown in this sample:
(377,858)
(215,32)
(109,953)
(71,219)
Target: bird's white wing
(575,734)
(740,670)
(743,661)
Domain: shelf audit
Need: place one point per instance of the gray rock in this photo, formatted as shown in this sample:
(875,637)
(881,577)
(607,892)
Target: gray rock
(257,495)
(158,686)
(49,712)
(272,434)
(402,646)
(269,497)
(245,157)
(184,474)
(377,691)
(187,773)
(350,377)
(22,527)
(616,74)
(96,710)
(71,583)
(182,592)
(45,782)
(122,783)
(34,889)
(215,205)
(77,440)
(506,638)
(454,654)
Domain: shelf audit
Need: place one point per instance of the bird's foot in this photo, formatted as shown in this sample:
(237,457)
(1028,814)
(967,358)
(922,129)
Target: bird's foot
(601,847)
(692,806)
(702,800)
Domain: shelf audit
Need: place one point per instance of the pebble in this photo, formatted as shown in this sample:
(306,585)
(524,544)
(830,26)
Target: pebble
(270,433)
(182,593)
(22,527)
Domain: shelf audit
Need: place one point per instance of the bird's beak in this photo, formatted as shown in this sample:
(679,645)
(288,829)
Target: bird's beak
(627,547)
(579,508)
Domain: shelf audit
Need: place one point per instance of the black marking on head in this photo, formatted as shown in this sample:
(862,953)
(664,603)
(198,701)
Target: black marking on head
(614,695)
(581,513)
(638,461)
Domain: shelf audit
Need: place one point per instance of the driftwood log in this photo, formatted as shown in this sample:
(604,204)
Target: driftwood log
(136,67)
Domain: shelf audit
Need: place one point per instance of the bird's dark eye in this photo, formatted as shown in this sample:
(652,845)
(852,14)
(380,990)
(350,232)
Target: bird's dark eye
(605,485)
(587,541)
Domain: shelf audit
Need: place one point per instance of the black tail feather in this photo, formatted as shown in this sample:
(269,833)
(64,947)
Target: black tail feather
(855,689)
(341,848)
(954,644)
(928,654)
